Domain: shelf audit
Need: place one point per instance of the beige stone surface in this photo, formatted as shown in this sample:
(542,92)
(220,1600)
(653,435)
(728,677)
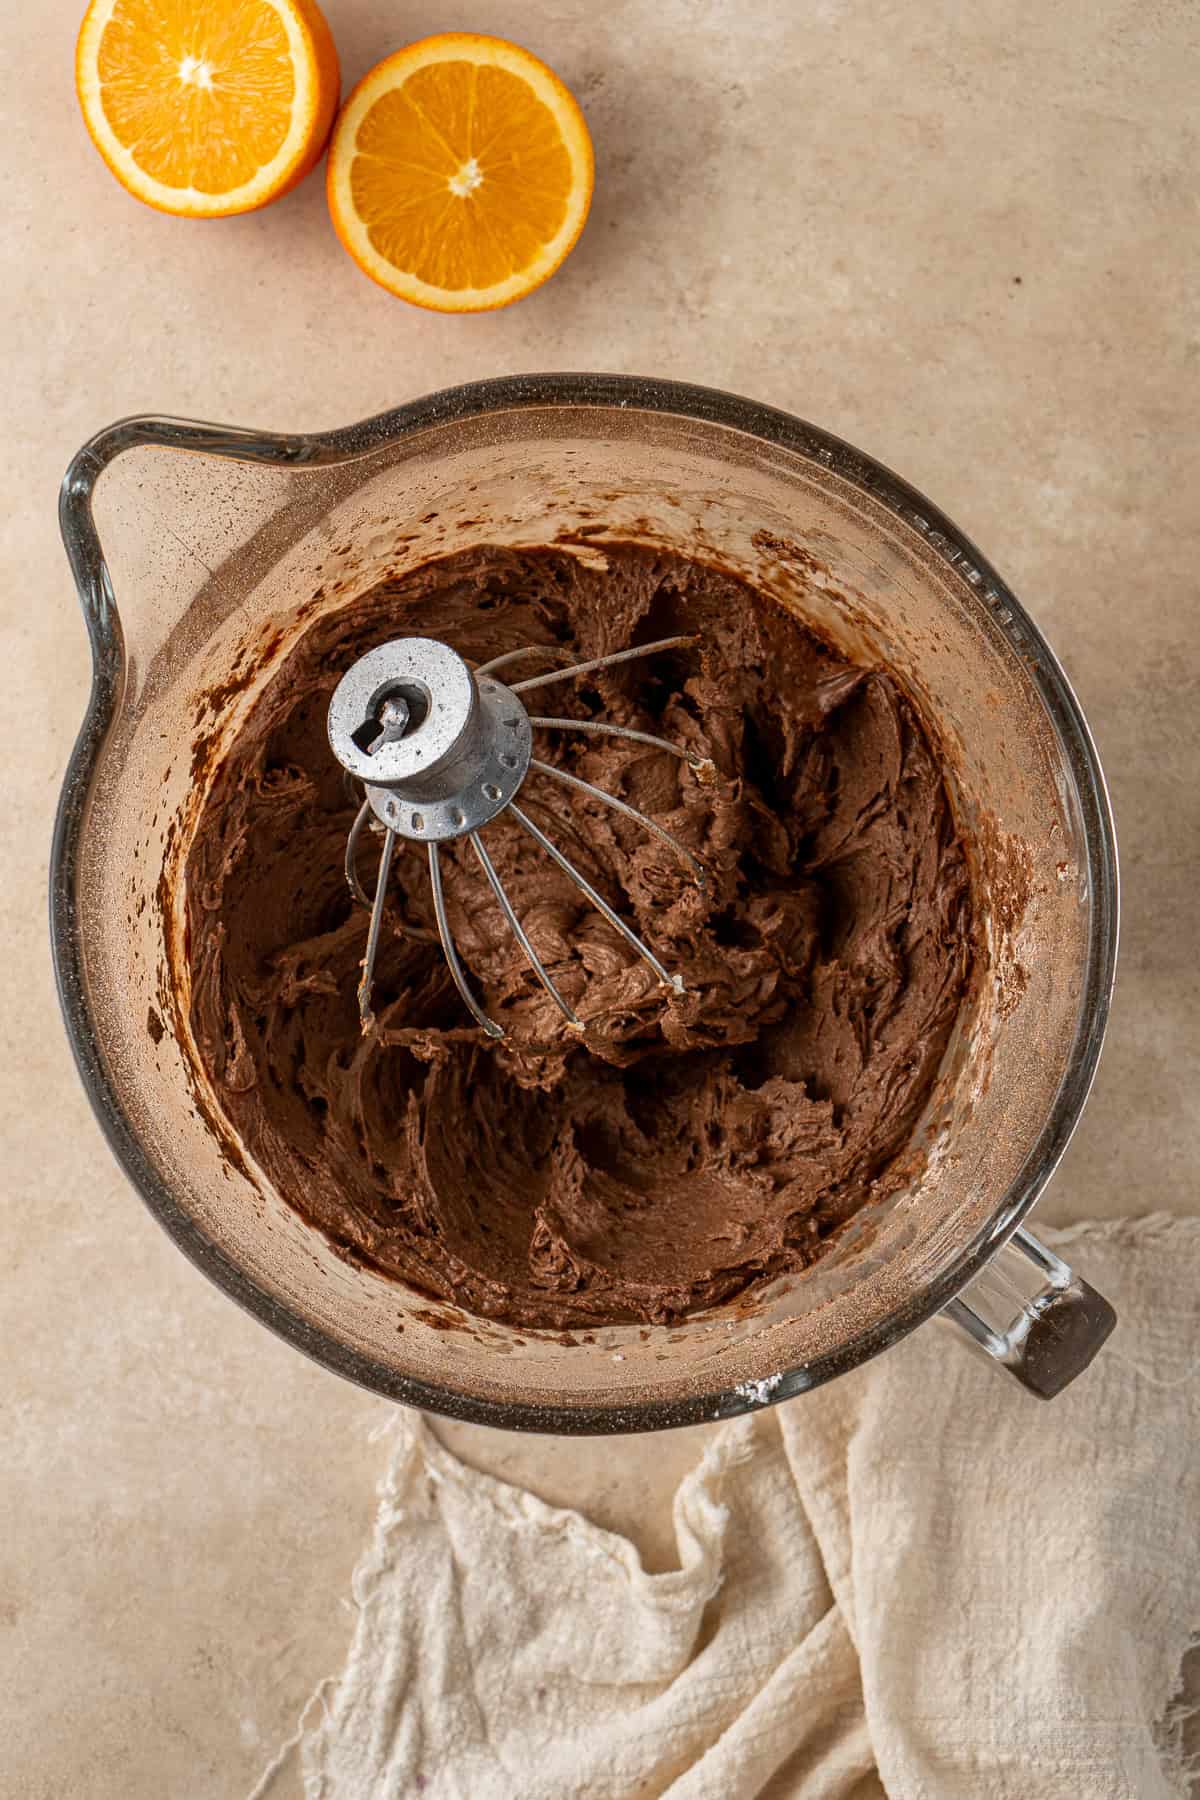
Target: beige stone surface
(964,237)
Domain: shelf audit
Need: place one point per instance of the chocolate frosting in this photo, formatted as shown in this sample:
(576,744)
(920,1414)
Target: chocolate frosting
(689,1146)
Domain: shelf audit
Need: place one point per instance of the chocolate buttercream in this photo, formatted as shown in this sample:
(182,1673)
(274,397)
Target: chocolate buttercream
(690,1146)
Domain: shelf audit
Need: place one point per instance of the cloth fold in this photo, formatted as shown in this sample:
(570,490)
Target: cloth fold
(917,1581)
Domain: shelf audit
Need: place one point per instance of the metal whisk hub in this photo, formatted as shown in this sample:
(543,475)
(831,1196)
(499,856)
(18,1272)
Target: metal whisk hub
(441,750)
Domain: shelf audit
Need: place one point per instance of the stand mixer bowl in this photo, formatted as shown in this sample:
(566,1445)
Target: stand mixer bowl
(202,554)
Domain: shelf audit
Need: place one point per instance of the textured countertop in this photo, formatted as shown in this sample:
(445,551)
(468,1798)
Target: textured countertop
(963,238)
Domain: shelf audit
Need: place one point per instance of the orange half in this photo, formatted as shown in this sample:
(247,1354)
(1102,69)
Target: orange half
(460,173)
(207,107)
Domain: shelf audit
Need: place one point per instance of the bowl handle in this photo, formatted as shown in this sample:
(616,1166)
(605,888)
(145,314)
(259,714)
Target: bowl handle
(1035,1315)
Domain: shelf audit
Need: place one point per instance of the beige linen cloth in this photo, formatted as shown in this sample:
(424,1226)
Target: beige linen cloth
(917,1581)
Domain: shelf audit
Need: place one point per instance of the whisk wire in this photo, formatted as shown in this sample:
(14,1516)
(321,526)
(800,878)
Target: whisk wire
(417,932)
(352,842)
(601,662)
(554,651)
(596,728)
(367,979)
(518,930)
(450,951)
(629,812)
(674,982)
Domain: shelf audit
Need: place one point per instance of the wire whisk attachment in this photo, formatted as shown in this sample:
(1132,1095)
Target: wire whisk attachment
(442,750)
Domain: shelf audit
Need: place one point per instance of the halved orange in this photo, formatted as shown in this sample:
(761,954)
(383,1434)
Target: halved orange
(207,107)
(460,173)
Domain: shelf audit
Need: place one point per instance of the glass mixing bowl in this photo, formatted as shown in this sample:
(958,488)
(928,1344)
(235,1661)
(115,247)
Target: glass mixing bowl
(202,553)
